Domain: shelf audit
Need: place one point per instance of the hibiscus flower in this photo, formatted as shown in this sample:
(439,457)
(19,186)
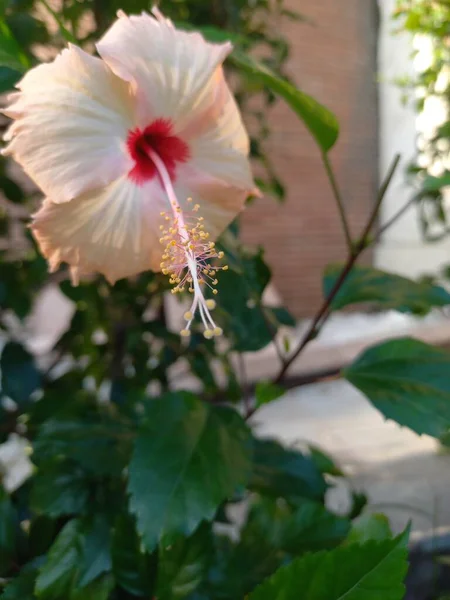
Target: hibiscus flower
(141,154)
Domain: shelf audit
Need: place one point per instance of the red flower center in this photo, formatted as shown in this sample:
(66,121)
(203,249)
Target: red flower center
(158,137)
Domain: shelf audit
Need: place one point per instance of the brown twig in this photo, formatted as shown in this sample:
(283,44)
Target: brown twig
(355,252)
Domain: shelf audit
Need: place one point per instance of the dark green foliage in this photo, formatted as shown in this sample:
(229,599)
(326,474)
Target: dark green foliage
(136,487)
(408,382)
(357,572)
(384,290)
(188,459)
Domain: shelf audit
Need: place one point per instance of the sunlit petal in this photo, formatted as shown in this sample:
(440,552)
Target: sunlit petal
(173,71)
(114,230)
(71,121)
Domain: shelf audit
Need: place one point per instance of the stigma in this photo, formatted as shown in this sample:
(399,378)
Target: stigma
(189,258)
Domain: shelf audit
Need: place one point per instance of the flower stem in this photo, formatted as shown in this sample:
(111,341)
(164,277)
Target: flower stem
(339,200)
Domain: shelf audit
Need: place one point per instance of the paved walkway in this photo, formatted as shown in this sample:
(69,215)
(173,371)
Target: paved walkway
(405,475)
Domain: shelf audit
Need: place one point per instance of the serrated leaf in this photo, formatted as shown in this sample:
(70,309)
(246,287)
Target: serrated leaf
(370,571)
(133,569)
(59,489)
(183,565)
(20,377)
(58,573)
(273,534)
(286,473)
(408,381)
(188,458)
(266,392)
(386,290)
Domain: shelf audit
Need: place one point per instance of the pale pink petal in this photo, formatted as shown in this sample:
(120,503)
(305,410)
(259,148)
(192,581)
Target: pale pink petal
(72,117)
(219,145)
(173,71)
(114,231)
(219,202)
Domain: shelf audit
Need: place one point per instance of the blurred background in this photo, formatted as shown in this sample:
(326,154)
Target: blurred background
(382,68)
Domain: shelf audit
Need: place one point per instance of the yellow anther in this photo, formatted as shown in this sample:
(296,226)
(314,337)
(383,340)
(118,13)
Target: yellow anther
(189,199)
(217,331)
(191,289)
(161,227)
(220,254)
(185,333)
(215,281)
(215,292)
(211,244)
(188,315)
(212,272)
(208,333)
(162,214)
(205,271)
(211,304)
(225,268)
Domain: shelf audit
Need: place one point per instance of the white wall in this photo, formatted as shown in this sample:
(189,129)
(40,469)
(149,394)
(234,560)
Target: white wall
(402,249)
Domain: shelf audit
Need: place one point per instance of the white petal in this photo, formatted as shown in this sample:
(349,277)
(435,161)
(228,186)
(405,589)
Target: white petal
(114,231)
(219,145)
(72,119)
(219,202)
(172,70)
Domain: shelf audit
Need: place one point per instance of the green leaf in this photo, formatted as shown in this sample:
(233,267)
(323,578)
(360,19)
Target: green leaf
(95,554)
(22,586)
(58,573)
(8,532)
(183,566)
(189,457)
(285,473)
(324,462)
(11,56)
(408,381)
(434,184)
(312,527)
(266,392)
(20,377)
(273,533)
(241,289)
(321,123)
(11,190)
(100,589)
(369,527)
(133,569)
(82,431)
(370,571)
(388,291)
(59,489)
(8,79)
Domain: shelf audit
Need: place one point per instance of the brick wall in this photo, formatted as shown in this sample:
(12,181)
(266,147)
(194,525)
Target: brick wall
(333,59)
